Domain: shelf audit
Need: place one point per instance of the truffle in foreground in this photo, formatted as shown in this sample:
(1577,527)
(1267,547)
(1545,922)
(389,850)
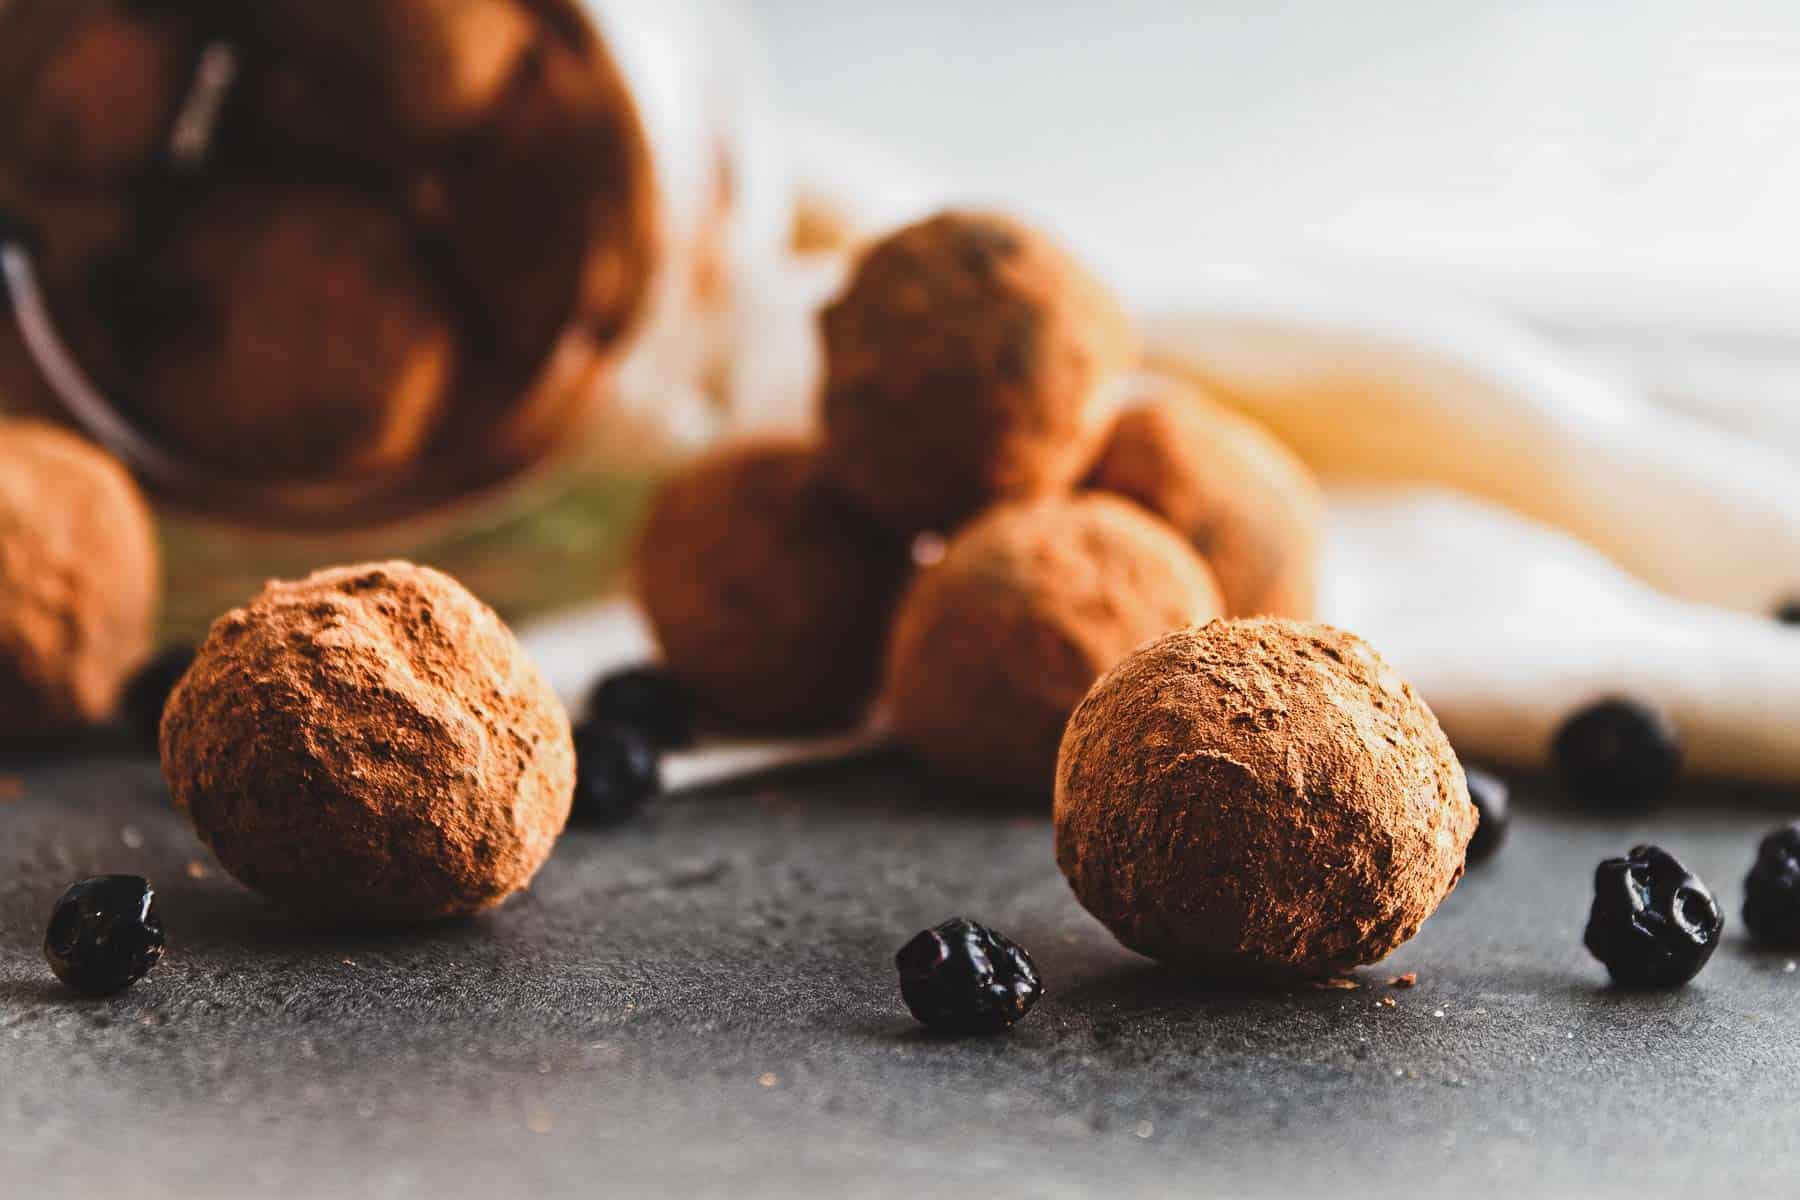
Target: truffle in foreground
(1259,799)
(768,594)
(79,581)
(372,744)
(963,978)
(1654,924)
(104,934)
(995,646)
(970,360)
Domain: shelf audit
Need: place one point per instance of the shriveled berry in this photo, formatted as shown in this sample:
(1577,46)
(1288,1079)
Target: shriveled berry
(650,700)
(1654,923)
(1772,889)
(1493,800)
(104,934)
(148,692)
(1618,755)
(963,978)
(617,772)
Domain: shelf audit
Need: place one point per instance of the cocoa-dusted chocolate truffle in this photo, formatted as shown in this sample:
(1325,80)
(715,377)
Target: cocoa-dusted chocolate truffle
(370,743)
(425,68)
(294,334)
(1246,502)
(995,646)
(104,91)
(768,593)
(1259,798)
(79,581)
(970,360)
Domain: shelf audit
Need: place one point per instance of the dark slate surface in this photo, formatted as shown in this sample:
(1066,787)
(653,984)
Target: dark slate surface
(704,1005)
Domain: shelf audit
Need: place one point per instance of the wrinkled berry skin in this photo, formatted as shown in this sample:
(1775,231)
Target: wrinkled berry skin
(963,978)
(1654,923)
(650,700)
(104,934)
(148,693)
(617,772)
(1618,755)
(1493,800)
(1772,889)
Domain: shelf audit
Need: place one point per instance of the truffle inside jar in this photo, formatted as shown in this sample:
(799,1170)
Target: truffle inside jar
(414,234)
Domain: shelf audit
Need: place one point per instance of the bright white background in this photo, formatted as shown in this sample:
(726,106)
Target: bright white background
(1601,163)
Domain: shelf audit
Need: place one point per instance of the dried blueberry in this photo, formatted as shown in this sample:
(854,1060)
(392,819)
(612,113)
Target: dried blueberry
(1654,923)
(650,700)
(1493,801)
(1772,889)
(148,693)
(104,934)
(617,772)
(963,978)
(1618,755)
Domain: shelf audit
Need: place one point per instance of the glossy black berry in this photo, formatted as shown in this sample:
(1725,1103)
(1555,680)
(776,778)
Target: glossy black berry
(104,934)
(1654,923)
(1618,755)
(1772,889)
(1493,800)
(962,978)
(1789,613)
(148,693)
(617,772)
(650,700)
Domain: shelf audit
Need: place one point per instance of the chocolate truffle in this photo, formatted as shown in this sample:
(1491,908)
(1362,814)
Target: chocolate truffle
(768,593)
(79,581)
(1246,502)
(294,335)
(995,646)
(105,94)
(1259,798)
(370,743)
(970,360)
(423,69)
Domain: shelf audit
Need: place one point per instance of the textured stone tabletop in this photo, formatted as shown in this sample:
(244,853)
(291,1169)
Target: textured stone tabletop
(705,1005)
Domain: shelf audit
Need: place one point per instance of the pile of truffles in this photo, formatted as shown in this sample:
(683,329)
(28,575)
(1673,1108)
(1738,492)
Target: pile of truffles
(370,743)
(996,510)
(358,242)
(79,582)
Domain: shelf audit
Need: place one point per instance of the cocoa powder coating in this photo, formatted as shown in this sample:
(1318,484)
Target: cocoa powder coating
(969,361)
(1259,798)
(79,581)
(1244,499)
(994,647)
(370,743)
(769,594)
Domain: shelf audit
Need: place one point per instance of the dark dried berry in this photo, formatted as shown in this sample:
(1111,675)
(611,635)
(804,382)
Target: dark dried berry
(962,978)
(617,772)
(148,693)
(1493,800)
(1618,755)
(1789,613)
(650,700)
(1772,889)
(1654,923)
(104,934)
